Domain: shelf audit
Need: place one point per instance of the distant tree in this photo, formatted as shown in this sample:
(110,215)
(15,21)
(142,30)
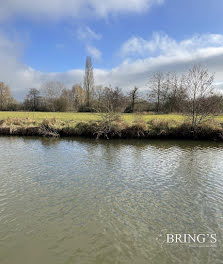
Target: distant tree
(62,104)
(88,81)
(52,90)
(156,89)
(134,96)
(78,96)
(107,99)
(200,91)
(174,93)
(6,98)
(75,98)
(32,101)
(113,99)
(99,93)
(118,99)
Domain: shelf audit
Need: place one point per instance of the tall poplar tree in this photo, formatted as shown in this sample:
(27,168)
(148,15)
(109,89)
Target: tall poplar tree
(89,81)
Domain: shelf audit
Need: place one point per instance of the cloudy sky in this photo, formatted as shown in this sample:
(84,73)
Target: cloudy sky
(127,39)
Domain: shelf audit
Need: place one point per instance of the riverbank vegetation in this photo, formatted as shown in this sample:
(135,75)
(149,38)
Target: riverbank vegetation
(174,106)
(111,125)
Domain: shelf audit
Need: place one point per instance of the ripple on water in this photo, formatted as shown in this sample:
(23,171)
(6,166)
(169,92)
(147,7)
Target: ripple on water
(82,201)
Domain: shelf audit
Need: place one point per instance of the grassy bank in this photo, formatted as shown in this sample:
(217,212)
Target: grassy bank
(78,117)
(98,126)
(68,116)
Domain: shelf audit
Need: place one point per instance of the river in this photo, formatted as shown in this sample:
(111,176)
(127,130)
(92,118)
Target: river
(65,201)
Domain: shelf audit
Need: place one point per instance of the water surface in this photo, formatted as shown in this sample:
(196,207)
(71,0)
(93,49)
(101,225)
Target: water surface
(87,201)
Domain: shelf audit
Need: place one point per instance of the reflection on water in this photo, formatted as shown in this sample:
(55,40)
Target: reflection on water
(87,201)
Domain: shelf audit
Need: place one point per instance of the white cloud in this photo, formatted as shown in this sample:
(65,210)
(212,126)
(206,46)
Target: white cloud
(94,52)
(59,9)
(136,46)
(164,45)
(87,34)
(168,55)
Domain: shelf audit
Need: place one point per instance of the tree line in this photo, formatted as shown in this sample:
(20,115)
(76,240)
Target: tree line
(192,92)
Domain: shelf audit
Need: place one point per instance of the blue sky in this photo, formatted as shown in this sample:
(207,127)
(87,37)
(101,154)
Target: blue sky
(128,40)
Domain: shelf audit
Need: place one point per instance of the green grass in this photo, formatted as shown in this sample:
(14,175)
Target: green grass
(77,117)
(39,116)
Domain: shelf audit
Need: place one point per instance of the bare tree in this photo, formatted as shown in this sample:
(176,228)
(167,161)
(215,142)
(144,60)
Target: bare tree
(106,125)
(78,95)
(200,91)
(74,98)
(6,98)
(52,90)
(156,86)
(175,93)
(113,99)
(134,96)
(32,101)
(99,93)
(89,81)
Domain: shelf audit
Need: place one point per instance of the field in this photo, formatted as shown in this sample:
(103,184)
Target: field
(40,116)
